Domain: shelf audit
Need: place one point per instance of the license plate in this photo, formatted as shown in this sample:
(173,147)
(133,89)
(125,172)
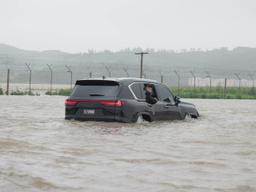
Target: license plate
(89,111)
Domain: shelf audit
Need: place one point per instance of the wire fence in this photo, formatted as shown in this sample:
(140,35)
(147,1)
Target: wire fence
(51,78)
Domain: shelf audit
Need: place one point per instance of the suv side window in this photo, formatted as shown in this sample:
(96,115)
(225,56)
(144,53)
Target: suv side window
(139,91)
(154,94)
(136,88)
(165,94)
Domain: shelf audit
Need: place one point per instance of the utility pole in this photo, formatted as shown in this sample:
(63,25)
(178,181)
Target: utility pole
(71,76)
(30,75)
(90,75)
(126,71)
(8,81)
(178,77)
(141,62)
(162,78)
(51,72)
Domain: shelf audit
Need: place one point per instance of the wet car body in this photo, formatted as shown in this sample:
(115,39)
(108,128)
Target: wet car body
(123,100)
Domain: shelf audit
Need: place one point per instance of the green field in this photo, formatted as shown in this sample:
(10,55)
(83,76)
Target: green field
(202,92)
(216,92)
(184,92)
(63,92)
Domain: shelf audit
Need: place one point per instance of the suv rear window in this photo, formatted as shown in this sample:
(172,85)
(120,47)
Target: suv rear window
(93,89)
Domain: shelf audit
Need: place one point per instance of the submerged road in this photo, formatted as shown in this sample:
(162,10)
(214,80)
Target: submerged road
(40,151)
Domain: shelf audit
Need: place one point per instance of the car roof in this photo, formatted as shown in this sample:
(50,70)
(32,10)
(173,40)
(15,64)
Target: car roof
(124,81)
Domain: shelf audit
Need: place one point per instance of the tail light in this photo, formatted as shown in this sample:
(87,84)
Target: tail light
(110,103)
(71,102)
(115,103)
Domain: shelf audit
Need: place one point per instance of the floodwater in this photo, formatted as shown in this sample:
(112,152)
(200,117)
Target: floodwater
(40,151)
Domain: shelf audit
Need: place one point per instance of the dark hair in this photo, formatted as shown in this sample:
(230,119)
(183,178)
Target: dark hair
(147,85)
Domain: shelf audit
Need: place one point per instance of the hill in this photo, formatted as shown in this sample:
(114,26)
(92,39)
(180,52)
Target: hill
(220,62)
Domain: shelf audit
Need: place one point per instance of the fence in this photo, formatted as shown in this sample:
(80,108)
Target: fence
(52,78)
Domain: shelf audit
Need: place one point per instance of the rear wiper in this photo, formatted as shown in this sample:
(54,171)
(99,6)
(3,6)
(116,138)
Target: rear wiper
(95,95)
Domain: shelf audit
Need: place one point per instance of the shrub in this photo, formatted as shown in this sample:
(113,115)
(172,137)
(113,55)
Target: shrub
(18,92)
(63,92)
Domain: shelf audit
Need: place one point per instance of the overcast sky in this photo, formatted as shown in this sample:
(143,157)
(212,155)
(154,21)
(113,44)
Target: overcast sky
(79,25)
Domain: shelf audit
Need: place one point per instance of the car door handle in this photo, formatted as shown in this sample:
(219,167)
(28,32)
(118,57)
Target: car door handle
(168,105)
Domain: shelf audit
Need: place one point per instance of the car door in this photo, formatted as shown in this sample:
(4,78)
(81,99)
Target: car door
(170,111)
(155,109)
(158,109)
(138,92)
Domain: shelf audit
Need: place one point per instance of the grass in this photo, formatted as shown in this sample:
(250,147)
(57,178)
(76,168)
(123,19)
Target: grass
(202,92)
(185,92)
(18,92)
(63,92)
(216,92)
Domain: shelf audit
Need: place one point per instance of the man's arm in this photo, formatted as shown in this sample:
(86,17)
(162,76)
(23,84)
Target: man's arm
(150,99)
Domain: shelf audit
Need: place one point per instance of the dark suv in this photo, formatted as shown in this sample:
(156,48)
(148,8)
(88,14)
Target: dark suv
(123,99)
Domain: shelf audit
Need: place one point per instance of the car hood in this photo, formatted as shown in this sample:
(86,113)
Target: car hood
(187,104)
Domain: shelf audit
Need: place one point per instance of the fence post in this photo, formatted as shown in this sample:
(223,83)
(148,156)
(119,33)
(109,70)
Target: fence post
(252,79)
(8,81)
(225,88)
(178,77)
(108,70)
(194,77)
(210,80)
(126,71)
(162,79)
(71,76)
(29,80)
(50,68)
(239,79)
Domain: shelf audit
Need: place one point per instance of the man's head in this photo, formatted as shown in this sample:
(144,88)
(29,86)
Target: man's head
(149,88)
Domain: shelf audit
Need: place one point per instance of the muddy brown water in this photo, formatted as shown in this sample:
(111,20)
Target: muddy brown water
(40,151)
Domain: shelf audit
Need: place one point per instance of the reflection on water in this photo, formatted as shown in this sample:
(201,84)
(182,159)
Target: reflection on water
(40,151)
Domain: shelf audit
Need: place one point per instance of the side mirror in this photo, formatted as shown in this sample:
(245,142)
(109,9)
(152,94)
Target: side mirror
(177,99)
